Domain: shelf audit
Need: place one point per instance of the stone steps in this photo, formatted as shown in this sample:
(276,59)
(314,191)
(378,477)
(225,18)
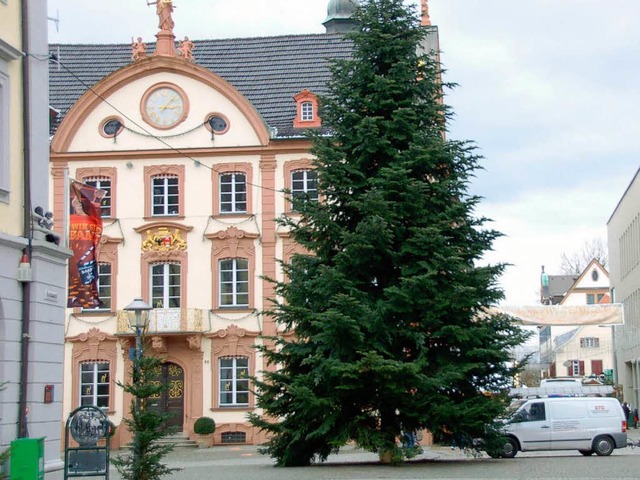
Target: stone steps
(180,440)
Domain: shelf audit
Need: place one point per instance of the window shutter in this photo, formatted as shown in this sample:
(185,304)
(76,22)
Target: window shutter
(596,367)
(552,370)
(570,370)
(581,367)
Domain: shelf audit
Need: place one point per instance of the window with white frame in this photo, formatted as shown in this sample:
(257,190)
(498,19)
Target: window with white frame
(234,282)
(575,368)
(304,184)
(233,193)
(104,285)
(165,195)
(590,342)
(103,183)
(306,114)
(165,285)
(94,384)
(234,381)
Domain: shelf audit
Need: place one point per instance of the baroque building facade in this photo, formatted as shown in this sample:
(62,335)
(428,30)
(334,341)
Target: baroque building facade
(195,146)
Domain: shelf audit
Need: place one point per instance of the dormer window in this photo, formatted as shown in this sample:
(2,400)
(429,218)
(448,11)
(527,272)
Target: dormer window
(306,110)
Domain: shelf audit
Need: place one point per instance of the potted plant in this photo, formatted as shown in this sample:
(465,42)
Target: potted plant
(204,428)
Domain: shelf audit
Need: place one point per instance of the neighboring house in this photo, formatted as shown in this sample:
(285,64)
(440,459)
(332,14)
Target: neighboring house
(32,265)
(194,155)
(624,258)
(584,351)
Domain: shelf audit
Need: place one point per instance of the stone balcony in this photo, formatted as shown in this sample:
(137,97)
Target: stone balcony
(169,320)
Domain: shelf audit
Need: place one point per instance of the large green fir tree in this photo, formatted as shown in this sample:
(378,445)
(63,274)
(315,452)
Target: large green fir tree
(387,309)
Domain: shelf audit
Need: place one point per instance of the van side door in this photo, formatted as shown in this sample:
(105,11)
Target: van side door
(531,426)
(570,427)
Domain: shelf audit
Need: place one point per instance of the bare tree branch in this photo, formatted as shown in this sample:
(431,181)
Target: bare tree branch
(574,263)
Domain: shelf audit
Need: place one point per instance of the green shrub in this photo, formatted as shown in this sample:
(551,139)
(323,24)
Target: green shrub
(204,426)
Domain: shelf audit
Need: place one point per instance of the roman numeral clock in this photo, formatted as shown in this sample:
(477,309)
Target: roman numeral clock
(164,106)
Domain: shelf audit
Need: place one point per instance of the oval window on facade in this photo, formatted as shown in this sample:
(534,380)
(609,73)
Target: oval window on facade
(111,127)
(217,123)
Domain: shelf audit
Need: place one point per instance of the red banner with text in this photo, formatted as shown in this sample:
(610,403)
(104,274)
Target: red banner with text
(85,230)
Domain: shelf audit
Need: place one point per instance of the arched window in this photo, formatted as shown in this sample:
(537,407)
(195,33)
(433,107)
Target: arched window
(233,373)
(301,179)
(166,285)
(164,190)
(232,189)
(95,384)
(103,178)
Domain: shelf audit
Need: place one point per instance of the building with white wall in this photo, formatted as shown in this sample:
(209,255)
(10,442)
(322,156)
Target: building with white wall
(577,350)
(624,256)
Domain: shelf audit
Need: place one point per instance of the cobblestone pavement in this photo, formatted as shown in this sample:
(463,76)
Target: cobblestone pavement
(438,462)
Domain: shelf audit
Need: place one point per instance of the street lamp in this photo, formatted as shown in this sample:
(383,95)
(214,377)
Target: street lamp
(138,312)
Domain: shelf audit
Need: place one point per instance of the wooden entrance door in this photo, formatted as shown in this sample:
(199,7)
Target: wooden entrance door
(172,399)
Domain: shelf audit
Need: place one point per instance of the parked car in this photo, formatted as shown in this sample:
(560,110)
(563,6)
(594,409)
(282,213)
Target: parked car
(587,424)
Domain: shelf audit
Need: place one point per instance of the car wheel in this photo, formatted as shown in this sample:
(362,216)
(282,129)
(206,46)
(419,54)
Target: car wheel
(586,453)
(510,448)
(603,446)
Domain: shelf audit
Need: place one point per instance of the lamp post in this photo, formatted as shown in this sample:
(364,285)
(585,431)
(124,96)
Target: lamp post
(138,311)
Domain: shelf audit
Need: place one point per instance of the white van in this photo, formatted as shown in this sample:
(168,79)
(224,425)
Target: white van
(586,424)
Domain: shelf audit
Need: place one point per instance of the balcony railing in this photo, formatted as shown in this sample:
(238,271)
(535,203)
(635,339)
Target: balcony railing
(169,320)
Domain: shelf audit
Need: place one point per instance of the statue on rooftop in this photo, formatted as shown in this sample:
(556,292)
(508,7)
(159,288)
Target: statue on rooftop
(424,13)
(164,8)
(138,49)
(186,48)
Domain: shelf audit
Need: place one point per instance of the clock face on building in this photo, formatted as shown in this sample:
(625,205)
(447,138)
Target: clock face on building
(164,106)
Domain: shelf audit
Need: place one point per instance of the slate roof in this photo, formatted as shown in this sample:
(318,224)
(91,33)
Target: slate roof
(559,285)
(565,338)
(268,71)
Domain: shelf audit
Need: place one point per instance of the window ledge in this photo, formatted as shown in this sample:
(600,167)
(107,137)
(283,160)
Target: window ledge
(233,310)
(304,124)
(245,408)
(156,218)
(94,313)
(244,215)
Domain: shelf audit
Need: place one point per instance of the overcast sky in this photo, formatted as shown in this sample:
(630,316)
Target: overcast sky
(549,90)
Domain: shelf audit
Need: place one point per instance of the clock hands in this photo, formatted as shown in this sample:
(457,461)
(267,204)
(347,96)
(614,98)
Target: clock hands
(168,104)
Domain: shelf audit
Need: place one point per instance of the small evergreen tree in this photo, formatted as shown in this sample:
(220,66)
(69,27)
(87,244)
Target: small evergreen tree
(387,311)
(143,461)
